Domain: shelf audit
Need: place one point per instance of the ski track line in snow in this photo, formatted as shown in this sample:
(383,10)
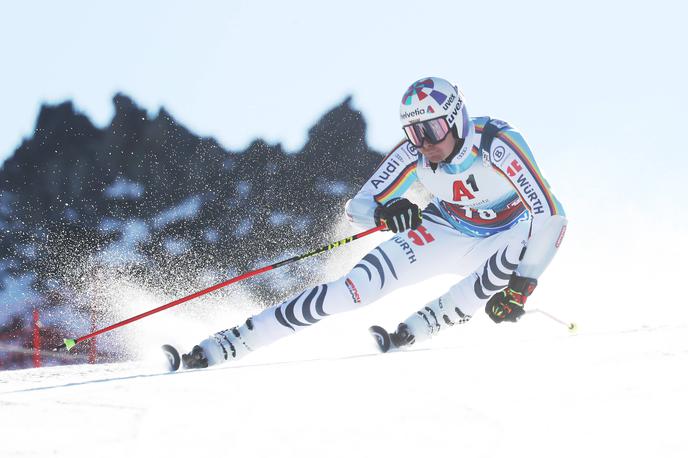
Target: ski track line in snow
(231,367)
(225,367)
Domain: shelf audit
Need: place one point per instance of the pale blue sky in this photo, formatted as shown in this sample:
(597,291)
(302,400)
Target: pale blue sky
(581,74)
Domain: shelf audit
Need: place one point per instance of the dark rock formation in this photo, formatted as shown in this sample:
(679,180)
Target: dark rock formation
(169,203)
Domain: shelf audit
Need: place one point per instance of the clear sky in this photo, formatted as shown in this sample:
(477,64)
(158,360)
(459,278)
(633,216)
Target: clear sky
(575,74)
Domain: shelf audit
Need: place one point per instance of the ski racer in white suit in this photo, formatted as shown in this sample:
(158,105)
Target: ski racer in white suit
(493,220)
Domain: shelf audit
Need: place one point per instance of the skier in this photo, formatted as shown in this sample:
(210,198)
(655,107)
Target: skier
(493,220)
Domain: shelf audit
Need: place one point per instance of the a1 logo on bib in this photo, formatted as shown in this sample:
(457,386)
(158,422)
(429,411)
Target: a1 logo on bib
(461,191)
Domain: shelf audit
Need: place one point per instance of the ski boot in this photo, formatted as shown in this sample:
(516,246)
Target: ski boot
(196,359)
(397,339)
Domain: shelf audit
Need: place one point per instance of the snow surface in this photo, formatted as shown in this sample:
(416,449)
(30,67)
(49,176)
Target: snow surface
(478,390)
(617,388)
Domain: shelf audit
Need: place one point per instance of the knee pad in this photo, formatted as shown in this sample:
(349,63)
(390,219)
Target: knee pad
(542,249)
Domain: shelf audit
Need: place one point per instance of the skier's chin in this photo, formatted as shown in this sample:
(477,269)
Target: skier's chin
(433,155)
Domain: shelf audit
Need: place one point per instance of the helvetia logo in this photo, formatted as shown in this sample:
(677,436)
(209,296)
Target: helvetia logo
(412,114)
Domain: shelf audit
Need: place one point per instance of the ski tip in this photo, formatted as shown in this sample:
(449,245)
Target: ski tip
(172,357)
(381,338)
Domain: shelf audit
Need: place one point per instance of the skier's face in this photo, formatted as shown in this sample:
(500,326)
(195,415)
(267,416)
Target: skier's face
(440,151)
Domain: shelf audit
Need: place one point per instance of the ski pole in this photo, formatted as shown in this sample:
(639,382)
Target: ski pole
(69,343)
(571,326)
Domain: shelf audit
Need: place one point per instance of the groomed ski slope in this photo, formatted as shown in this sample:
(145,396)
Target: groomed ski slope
(530,390)
(616,388)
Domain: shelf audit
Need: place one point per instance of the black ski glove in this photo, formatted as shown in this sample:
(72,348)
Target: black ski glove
(507,305)
(399,215)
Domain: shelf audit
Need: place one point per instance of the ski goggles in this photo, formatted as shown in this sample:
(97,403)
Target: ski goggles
(433,130)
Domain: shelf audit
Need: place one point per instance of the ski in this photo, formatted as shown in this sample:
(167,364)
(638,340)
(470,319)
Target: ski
(172,357)
(384,342)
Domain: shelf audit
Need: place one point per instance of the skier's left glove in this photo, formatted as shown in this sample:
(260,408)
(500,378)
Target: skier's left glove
(507,305)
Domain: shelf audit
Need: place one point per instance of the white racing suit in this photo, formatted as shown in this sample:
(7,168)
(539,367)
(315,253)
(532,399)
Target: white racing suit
(490,204)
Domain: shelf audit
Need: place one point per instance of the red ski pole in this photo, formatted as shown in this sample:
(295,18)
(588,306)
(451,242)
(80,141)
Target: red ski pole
(69,343)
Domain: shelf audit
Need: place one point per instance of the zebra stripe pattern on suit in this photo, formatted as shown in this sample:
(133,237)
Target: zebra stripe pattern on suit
(373,259)
(311,309)
(501,270)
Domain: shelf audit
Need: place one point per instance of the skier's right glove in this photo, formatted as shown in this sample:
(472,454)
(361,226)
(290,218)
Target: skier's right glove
(399,215)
